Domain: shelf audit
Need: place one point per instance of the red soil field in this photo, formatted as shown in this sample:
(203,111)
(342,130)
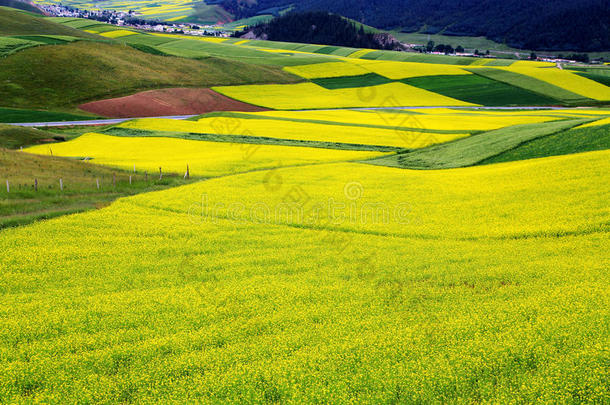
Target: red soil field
(155,103)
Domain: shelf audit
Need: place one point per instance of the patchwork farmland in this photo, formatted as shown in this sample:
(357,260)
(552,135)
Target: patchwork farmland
(277,222)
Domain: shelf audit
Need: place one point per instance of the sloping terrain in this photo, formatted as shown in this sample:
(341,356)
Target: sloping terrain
(68,75)
(14,22)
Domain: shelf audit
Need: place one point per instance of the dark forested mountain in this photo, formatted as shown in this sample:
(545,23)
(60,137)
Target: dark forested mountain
(582,25)
(318,27)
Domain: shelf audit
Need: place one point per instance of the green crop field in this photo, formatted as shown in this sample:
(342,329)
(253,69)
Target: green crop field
(478,89)
(576,140)
(385,230)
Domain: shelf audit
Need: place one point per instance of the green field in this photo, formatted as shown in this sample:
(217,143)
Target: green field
(531,84)
(13,22)
(576,140)
(477,148)
(481,90)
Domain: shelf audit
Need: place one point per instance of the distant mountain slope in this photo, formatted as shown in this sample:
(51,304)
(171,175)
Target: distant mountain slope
(532,24)
(21,5)
(15,22)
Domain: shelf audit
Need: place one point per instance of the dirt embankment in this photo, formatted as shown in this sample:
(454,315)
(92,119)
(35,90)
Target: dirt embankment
(155,103)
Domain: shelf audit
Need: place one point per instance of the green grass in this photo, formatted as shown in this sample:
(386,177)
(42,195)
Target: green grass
(600,78)
(13,22)
(146,39)
(249,21)
(344,82)
(562,143)
(418,57)
(531,84)
(14,115)
(476,148)
(67,75)
(9,45)
(24,204)
(327,50)
(48,39)
(208,14)
(192,48)
(479,90)
(12,137)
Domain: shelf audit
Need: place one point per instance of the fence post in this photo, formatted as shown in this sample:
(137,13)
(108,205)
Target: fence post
(97,183)
(160,174)
(146,175)
(35,184)
(134,167)
(188,174)
(130,179)
(61,184)
(8,188)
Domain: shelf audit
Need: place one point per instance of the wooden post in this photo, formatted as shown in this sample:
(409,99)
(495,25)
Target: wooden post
(130,180)
(61,184)
(35,184)
(134,167)
(188,174)
(160,174)
(97,183)
(8,188)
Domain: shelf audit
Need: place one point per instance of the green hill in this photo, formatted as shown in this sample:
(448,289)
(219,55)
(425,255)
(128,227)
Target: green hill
(20,5)
(15,22)
(67,75)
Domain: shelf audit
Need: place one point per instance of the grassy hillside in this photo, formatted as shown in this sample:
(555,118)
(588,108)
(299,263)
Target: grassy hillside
(20,5)
(14,137)
(25,204)
(14,22)
(18,115)
(66,75)
(474,149)
(576,140)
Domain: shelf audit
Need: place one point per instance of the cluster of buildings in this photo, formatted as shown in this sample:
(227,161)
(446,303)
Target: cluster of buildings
(134,20)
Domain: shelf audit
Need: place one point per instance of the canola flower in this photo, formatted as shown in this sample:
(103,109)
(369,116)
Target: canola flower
(117,33)
(474,299)
(306,131)
(311,96)
(204,158)
(566,80)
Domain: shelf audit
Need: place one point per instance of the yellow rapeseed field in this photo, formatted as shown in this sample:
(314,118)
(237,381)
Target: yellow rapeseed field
(311,96)
(430,119)
(564,79)
(330,69)
(305,131)
(117,33)
(203,158)
(486,282)
(403,70)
